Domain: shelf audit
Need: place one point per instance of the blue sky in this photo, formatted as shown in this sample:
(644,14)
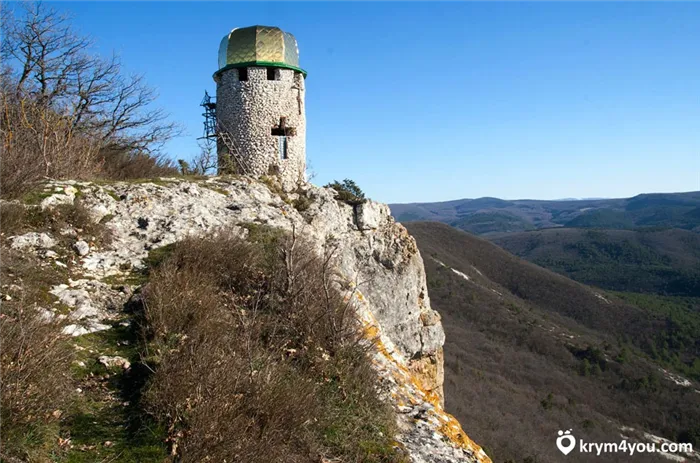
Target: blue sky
(438,101)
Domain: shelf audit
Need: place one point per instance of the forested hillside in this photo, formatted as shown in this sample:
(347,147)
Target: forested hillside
(663,262)
(529,352)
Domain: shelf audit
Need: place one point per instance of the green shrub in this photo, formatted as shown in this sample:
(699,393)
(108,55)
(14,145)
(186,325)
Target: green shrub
(348,192)
(302,203)
(690,435)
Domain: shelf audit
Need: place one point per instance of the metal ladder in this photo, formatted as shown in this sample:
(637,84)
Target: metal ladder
(232,149)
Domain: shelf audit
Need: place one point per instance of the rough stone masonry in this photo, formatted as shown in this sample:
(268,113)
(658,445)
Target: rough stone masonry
(260,105)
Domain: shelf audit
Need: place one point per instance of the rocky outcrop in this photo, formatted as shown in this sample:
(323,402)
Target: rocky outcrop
(32,241)
(374,257)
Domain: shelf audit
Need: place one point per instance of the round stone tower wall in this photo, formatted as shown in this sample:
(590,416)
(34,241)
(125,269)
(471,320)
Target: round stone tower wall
(261,116)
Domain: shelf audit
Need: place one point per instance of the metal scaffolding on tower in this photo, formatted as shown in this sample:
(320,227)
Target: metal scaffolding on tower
(209,116)
(214,130)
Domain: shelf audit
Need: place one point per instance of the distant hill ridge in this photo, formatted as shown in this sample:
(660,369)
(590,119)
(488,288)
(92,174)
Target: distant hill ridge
(488,215)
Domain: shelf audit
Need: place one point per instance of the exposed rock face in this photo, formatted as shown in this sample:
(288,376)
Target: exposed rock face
(92,302)
(33,241)
(373,255)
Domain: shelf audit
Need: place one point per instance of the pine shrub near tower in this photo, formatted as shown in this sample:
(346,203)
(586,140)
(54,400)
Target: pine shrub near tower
(348,192)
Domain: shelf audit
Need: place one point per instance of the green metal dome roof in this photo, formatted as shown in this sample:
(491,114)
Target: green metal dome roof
(259,46)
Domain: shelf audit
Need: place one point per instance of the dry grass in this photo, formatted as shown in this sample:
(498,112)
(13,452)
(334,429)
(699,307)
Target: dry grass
(35,363)
(12,217)
(35,359)
(123,165)
(77,216)
(17,218)
(39,144)
(257,358)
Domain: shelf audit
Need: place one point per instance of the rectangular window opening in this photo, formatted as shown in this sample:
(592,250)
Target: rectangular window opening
(283,147)
(271,74)
(242,73)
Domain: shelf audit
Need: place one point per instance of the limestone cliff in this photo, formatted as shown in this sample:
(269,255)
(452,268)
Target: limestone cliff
(376,259)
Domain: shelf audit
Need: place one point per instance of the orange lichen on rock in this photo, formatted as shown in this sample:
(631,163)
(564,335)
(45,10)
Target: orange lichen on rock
(434,399)
(419,381)
(450,427)
(427,373)
(453,431)
(371,332)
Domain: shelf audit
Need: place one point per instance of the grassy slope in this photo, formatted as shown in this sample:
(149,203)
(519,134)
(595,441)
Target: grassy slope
(529,352)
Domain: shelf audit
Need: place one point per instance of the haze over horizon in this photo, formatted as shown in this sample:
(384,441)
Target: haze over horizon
(586,198)
(420,102)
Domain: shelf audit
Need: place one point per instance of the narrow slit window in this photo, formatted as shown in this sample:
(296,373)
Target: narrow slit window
(242,73)
(271,74)
(283,146)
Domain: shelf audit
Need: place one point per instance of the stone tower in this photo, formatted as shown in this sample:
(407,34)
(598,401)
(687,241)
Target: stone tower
(261,122)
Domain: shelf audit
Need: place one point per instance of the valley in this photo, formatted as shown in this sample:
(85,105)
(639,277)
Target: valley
(529,352)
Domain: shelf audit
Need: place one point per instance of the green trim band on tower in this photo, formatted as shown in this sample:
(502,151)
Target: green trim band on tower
(266,64)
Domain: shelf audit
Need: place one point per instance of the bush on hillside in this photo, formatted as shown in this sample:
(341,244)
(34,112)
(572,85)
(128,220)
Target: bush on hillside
(125,165)
(35,386)
(257,357)
(348,192)
(12,217)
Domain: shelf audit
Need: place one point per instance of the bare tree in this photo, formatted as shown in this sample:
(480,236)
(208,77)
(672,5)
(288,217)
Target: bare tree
(42,144)
(59,92)
(53,67)
(202,164)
